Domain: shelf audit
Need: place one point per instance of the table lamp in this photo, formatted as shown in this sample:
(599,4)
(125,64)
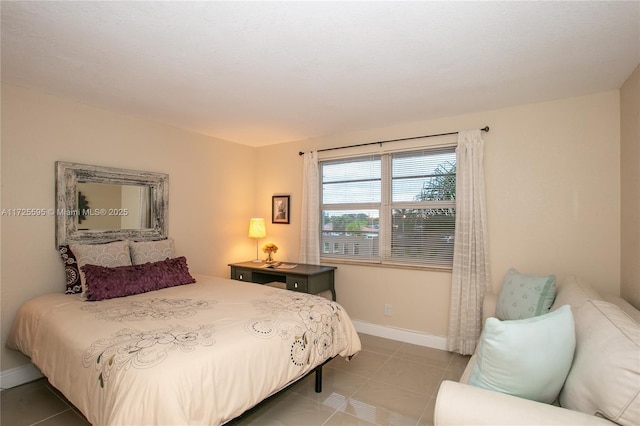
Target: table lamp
(257,230)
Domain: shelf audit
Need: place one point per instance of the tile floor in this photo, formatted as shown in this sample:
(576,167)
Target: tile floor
(388,383)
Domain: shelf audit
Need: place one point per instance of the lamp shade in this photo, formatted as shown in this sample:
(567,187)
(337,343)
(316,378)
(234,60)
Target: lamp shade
(257,228)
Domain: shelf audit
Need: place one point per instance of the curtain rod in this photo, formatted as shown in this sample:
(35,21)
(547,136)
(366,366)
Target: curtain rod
(484,129)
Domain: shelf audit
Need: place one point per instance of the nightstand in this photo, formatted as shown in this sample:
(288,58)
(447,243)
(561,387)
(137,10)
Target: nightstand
(304,278)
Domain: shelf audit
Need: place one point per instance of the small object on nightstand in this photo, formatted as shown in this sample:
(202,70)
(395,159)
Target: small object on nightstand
(280,265)
(270,248)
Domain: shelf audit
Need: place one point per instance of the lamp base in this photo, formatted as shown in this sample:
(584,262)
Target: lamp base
(257,260)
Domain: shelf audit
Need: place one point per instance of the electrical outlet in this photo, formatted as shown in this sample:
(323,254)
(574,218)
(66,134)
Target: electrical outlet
(387,310)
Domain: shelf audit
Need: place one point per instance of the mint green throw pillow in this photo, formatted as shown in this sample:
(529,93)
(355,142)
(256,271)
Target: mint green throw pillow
(525,296)
(527,358)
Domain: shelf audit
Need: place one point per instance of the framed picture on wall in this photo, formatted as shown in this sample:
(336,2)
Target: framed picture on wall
(280,209)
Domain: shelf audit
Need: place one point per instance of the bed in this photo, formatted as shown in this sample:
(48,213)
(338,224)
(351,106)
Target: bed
(201,353)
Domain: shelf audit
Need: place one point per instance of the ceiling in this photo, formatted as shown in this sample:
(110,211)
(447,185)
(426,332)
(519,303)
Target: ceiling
(261,73)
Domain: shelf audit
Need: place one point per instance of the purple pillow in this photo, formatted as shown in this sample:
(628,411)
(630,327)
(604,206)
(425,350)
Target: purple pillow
(107,283)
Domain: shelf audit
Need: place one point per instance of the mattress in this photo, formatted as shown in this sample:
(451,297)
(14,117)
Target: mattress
(201,353)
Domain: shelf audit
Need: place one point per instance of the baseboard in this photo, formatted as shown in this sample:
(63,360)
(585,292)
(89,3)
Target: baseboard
(402,335)
(19,376)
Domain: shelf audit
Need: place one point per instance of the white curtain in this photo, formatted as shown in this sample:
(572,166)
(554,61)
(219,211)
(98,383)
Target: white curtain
(471,278)
(309,234)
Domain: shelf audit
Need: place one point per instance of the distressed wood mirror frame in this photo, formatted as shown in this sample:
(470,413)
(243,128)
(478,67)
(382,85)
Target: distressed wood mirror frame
(67,177)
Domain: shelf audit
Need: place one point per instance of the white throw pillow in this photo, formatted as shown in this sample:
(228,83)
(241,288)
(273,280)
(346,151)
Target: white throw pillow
(527,358)
(605,377)
(108,255)
(151,251)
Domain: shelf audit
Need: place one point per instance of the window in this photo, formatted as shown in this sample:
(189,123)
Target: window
(395,208)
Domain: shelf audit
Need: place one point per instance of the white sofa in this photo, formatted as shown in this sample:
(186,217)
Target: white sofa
(604,379)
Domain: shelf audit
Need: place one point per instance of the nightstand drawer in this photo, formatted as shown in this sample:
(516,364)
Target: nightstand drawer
(297,283)
(241,274)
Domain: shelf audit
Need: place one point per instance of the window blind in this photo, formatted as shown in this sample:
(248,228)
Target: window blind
(396,208)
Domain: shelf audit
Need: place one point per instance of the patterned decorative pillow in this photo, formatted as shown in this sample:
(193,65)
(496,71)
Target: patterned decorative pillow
(151,251)
(525,296)
(74,285)
(107,283)
(109,255)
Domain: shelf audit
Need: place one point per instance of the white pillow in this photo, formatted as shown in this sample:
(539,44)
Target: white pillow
(108,255)
(605,376)
(527,358)
(151,251)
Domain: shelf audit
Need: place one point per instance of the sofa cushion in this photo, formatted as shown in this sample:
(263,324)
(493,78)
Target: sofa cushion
(525,296)
(528,358)
(625,306)
(605,376)
(574,291)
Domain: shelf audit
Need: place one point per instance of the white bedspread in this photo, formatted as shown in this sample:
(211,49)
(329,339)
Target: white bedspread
(195,354)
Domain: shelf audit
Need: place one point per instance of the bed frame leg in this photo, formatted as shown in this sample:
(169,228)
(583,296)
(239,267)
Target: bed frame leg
(319,379)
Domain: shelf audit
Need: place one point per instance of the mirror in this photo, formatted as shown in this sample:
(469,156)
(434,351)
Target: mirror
(97,204)
(103,206)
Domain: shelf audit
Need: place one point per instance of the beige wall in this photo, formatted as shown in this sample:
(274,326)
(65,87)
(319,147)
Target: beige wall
(210,188)
(630,188)
(553,200)
(553,197)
